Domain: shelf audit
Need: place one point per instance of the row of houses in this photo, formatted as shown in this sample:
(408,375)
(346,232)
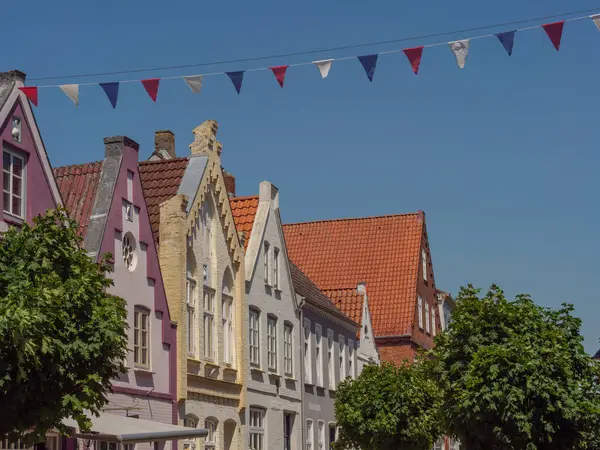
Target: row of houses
(241,327)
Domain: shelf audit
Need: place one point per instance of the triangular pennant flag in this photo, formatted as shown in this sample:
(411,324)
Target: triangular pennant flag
(554,32)
(112,92)
(460,50)
(31,92)
(194,82)
(414,57)
(323,67)
(236,78)
(71,91)
(369,63)
(596,20)
(507,39)
(151,86)
(279,73)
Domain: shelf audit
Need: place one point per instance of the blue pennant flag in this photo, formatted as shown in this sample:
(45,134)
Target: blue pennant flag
(236,78)
(507,39)
(369,62)
(112,92)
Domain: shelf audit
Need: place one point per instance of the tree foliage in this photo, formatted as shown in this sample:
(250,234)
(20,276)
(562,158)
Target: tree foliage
(515,376)
(387,408)
(62,336)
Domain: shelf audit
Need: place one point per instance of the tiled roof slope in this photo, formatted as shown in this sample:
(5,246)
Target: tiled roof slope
(307,289)
(381,251)
(597,355)
(244,210)
(349,301)
(78,185)
(160,182)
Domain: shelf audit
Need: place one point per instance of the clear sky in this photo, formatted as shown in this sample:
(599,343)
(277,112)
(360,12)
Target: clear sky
(502,156)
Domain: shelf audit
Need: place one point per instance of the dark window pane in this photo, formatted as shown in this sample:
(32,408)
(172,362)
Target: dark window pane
(16,206)
(6,161)
(17,167)
(16,186)
(6,183)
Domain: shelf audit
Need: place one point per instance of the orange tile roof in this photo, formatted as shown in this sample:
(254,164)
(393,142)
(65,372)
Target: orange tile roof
(160,182)
(349,301)
(78,185)
(381,251)
(244,209)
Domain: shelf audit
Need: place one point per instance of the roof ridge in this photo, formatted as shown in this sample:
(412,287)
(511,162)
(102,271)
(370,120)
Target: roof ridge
(357,218)
(157,161)
(240,198)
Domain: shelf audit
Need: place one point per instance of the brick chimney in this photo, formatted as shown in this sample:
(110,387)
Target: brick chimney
(164,141)
(229,183)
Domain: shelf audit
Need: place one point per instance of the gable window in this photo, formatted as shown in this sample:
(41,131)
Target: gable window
(420,311)
(351,359)
(191,308)
(209,323)
(16,129)
(307,353)
(14,189)
(254,337)
(342,357)
(210,442)
(318,354)
(433,325)
(267,263)
(141,337)
(427,323)
(424,263)
(288,333)
(276,268)
(321,435)
(227,319)
(272,343)
(128,250)
(330,359)
(309,434)
(257,429)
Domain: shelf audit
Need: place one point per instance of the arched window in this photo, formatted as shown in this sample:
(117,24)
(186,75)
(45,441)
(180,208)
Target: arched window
(190,421)
(210,443)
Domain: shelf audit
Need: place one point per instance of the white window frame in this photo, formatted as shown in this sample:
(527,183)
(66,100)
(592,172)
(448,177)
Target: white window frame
(209,323)
(288,349)
(227,323)
(254,336)
(272,343)
(211,439)
(342,356)
(141,337)
(321,435)
(276,268)
(427,318)
(190,289)
(310,435)
(433,325)
(307,351)
(332,426)
(424,263)
(257,428)
(330,366)
(351,359)
(267,262)
(420,311)
(8,209)
(319,353)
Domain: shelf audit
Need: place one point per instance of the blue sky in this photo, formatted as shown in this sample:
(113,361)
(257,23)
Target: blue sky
(502,156)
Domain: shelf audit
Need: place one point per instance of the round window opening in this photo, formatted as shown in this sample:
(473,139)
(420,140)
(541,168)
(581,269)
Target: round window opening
(129,255)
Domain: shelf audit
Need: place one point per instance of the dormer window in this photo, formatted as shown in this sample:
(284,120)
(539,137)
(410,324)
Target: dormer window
(16,129)
(14,190)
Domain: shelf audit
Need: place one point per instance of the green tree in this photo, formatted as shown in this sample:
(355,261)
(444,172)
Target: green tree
(62,336)
(515,376)
(388,408)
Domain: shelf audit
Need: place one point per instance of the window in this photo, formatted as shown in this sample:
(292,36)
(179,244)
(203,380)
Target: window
(272,342)
(351,359)
(209,316)
(318,354)
(342,357)
(227,319)
(190,422)
(16,129)
(427,323)
(267,264)
(332,435)
(330,359)
(103,445)
(309,434)
(288,352)
(433,325)
(257,428)
(191,306)
(210,442)
(141,337)
(307,353)
(321,435)
(439,444)
(287,431)
(424,263)
(420,311)
(276,268)
(254,337)
(14,174)
(129,256)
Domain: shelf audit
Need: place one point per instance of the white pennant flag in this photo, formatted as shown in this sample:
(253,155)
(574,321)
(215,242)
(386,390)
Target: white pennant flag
(324,66)
(194,82)
(460,50)
(71,91)
(596,20)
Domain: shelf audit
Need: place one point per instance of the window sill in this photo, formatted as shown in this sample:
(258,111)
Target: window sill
(290,378)
(211,363)
(274,374)
(308,383)
(12,219)
(228,368)
(193,359)
(277,289)
(143,370)
(256,369)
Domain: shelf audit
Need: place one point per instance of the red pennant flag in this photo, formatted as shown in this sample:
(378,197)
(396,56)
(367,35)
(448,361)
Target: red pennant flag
(554,32)
(414,56)
(151,86)
(31,92)
(279,73)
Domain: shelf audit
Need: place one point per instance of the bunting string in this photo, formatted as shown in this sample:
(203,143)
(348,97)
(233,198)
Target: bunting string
(460,49)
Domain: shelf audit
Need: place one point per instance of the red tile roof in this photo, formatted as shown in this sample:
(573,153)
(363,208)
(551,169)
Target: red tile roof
(381,251)
(349,301)
(160,182)
(244,210)
(78,185)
